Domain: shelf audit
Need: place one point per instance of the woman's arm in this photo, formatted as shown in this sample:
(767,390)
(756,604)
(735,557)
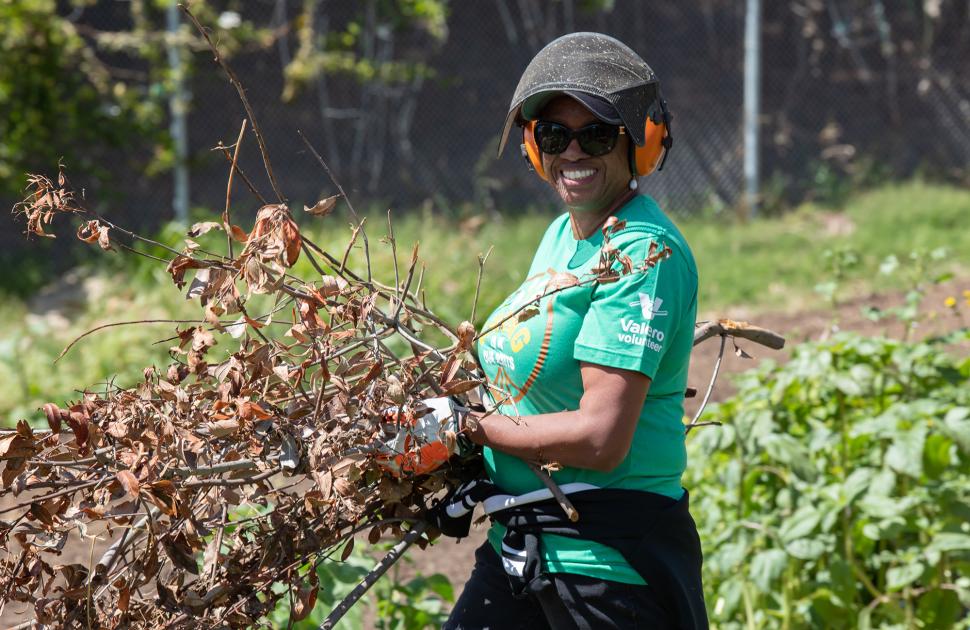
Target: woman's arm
(597,436)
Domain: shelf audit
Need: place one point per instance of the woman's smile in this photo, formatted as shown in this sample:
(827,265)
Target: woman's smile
(577,176)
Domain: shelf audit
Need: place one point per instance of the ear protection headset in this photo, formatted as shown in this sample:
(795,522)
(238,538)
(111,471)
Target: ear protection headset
(644,160)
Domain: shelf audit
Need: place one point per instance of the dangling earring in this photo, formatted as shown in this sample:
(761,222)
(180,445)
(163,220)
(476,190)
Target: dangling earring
(634,184)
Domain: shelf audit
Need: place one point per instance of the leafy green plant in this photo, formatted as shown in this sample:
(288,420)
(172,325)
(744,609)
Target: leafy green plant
(917,273)
(344,50)
(830,185)
(839,263)
(336,580)
(833,182)
(837,493)
(419,602)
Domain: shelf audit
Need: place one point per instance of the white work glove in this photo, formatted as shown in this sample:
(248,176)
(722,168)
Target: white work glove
(427,435)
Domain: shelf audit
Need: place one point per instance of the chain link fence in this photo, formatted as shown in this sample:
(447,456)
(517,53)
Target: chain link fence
(433,139)
(857,91)
(853,91)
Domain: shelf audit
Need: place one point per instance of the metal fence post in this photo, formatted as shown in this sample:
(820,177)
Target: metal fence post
(178,105)
(752,104)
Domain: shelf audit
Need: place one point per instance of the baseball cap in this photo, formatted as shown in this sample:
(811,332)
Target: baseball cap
(599,107)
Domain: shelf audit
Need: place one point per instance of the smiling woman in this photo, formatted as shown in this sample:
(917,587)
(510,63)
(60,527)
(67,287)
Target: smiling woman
(593,377)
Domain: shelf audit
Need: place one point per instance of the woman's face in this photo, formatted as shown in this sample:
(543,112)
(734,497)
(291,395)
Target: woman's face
(584,182)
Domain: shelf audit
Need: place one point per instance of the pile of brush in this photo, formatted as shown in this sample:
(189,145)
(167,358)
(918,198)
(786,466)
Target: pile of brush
(261,462)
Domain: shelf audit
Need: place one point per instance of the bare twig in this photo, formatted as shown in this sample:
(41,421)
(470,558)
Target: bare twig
(330,174)
(88,602)
(242,97)
(343,194)
(229,483)
(710,387)
(561,498)
(218,544)
(218,469)
(358,229)
(249,183)
(54,495)
(226,219)
(478,282)
(393,242)
(403,295)
(128,323)
(71,462)
(534,302)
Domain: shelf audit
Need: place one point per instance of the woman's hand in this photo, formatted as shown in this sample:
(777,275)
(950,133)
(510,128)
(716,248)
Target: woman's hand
(597,436)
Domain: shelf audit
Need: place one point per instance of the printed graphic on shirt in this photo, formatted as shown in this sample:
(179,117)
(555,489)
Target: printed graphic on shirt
(501,348)
(635,332)
(649,306)
(641,334)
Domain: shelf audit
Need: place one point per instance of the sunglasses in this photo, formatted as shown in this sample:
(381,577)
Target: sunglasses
(596,139)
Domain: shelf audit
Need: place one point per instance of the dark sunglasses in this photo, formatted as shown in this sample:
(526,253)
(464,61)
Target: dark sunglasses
(596,139)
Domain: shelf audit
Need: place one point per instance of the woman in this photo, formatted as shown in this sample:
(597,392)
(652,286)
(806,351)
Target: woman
(595,380)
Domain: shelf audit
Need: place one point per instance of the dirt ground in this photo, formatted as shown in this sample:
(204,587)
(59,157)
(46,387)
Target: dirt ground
(455,559)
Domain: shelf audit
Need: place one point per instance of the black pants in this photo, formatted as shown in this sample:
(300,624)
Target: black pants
(557,601)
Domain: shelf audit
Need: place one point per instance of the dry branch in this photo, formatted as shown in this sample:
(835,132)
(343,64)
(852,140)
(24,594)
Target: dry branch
(287,422)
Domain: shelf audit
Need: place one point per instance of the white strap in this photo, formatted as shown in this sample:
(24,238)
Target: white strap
(503,501)
(500,502)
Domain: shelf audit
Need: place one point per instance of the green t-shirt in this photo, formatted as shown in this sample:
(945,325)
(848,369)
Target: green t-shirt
(644,322)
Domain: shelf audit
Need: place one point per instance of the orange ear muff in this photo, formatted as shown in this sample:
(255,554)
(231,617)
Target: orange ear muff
(530,150)
(647,157)
(652,155)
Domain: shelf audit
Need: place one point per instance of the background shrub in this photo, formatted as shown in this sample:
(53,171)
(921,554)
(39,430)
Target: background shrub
(837,493)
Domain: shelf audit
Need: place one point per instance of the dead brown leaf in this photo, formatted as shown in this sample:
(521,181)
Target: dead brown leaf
(129,482)
(199,229)
(526,314)
(95,232)
(460,387)
(323,207)
(306,598)
(180,264)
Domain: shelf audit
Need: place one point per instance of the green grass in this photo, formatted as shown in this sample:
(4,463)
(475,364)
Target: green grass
(30,342)
(774,264)
(770,264)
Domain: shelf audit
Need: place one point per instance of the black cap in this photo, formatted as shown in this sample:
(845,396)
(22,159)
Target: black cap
(599,107)
(590,64)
